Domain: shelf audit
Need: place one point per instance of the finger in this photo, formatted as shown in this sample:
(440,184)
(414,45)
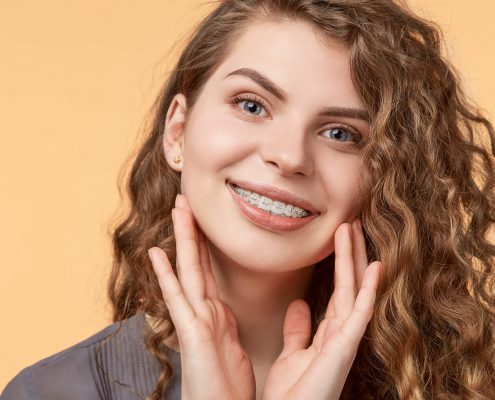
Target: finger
(204,257)
(189,268)
(355,326)
(297,327)
(359,252)
(330,313)
(344,293)
(181,201)
(179,308)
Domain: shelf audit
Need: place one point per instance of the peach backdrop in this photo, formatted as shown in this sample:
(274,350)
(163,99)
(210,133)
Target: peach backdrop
(76,80)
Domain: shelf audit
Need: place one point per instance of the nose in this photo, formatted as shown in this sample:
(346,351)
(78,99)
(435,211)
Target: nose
(286,150)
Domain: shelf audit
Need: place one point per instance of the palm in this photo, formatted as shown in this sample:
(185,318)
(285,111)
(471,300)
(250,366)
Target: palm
(213,363)
(285,372)
(220,349)
(320,370)
(282,380)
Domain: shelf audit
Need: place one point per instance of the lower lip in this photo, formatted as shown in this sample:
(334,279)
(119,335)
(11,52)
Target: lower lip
(268,220)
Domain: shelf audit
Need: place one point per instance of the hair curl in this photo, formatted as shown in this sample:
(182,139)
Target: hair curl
(429,201)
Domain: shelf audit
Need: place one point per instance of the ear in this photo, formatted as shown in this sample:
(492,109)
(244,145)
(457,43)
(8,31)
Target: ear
(173,134)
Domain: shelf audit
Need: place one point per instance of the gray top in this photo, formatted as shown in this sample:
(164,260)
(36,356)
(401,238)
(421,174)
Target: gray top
(118,368)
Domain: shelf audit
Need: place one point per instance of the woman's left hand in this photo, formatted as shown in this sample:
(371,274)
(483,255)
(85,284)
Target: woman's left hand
(320,370)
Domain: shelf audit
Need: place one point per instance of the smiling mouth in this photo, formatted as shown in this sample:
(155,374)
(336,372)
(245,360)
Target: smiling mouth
(267,219)
(269,205)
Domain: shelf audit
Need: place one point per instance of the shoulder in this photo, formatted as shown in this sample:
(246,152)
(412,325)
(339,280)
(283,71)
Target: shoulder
(21,387)
(66,374)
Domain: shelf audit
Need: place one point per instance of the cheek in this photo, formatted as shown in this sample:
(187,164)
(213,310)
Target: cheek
(218,139)
(341,180)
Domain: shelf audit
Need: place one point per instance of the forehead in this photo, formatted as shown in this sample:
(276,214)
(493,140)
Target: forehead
(295,56)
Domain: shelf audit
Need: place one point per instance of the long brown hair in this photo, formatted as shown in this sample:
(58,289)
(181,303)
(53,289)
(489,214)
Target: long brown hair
(429,201)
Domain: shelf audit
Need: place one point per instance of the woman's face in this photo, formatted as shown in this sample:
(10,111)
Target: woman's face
(282,139)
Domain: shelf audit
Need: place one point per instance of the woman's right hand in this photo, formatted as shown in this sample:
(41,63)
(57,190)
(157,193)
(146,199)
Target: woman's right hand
(214,365)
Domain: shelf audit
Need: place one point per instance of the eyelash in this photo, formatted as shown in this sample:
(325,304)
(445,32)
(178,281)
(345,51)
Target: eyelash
(255,99)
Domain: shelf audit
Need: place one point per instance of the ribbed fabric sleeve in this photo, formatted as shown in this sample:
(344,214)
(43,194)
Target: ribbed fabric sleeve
(113,364)
(126,370)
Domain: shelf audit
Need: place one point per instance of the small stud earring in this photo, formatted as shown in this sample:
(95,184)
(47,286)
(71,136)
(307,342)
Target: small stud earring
(177,159)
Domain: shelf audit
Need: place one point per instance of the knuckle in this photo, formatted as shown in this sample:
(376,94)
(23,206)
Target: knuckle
(171,297)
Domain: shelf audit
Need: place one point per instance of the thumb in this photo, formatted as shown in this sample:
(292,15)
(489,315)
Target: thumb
(297,327)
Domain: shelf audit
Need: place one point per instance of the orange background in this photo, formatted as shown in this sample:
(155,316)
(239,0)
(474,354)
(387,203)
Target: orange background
(77,79)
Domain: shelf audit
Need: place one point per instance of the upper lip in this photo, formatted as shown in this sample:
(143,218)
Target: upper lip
(276,194)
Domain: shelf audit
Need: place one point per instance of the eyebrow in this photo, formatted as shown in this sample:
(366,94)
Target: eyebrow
(280,94)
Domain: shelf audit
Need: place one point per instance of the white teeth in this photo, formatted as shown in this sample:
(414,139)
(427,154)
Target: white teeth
(273,206)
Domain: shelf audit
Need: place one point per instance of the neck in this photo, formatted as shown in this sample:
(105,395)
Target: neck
(259,301)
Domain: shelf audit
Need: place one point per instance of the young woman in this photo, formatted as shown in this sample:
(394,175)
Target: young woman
(243,270)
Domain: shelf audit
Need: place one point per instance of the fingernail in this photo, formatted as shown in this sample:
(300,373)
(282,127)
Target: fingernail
(358,223)
(150,254)
(181,201)
(173,216)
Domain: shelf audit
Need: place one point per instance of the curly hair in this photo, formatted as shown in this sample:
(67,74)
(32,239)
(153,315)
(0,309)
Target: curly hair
(429,201)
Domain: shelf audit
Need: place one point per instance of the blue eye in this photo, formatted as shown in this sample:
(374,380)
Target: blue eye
(342,132)
(251,107)
(252,104)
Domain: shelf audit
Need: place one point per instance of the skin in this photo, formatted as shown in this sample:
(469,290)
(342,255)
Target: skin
(237,334)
